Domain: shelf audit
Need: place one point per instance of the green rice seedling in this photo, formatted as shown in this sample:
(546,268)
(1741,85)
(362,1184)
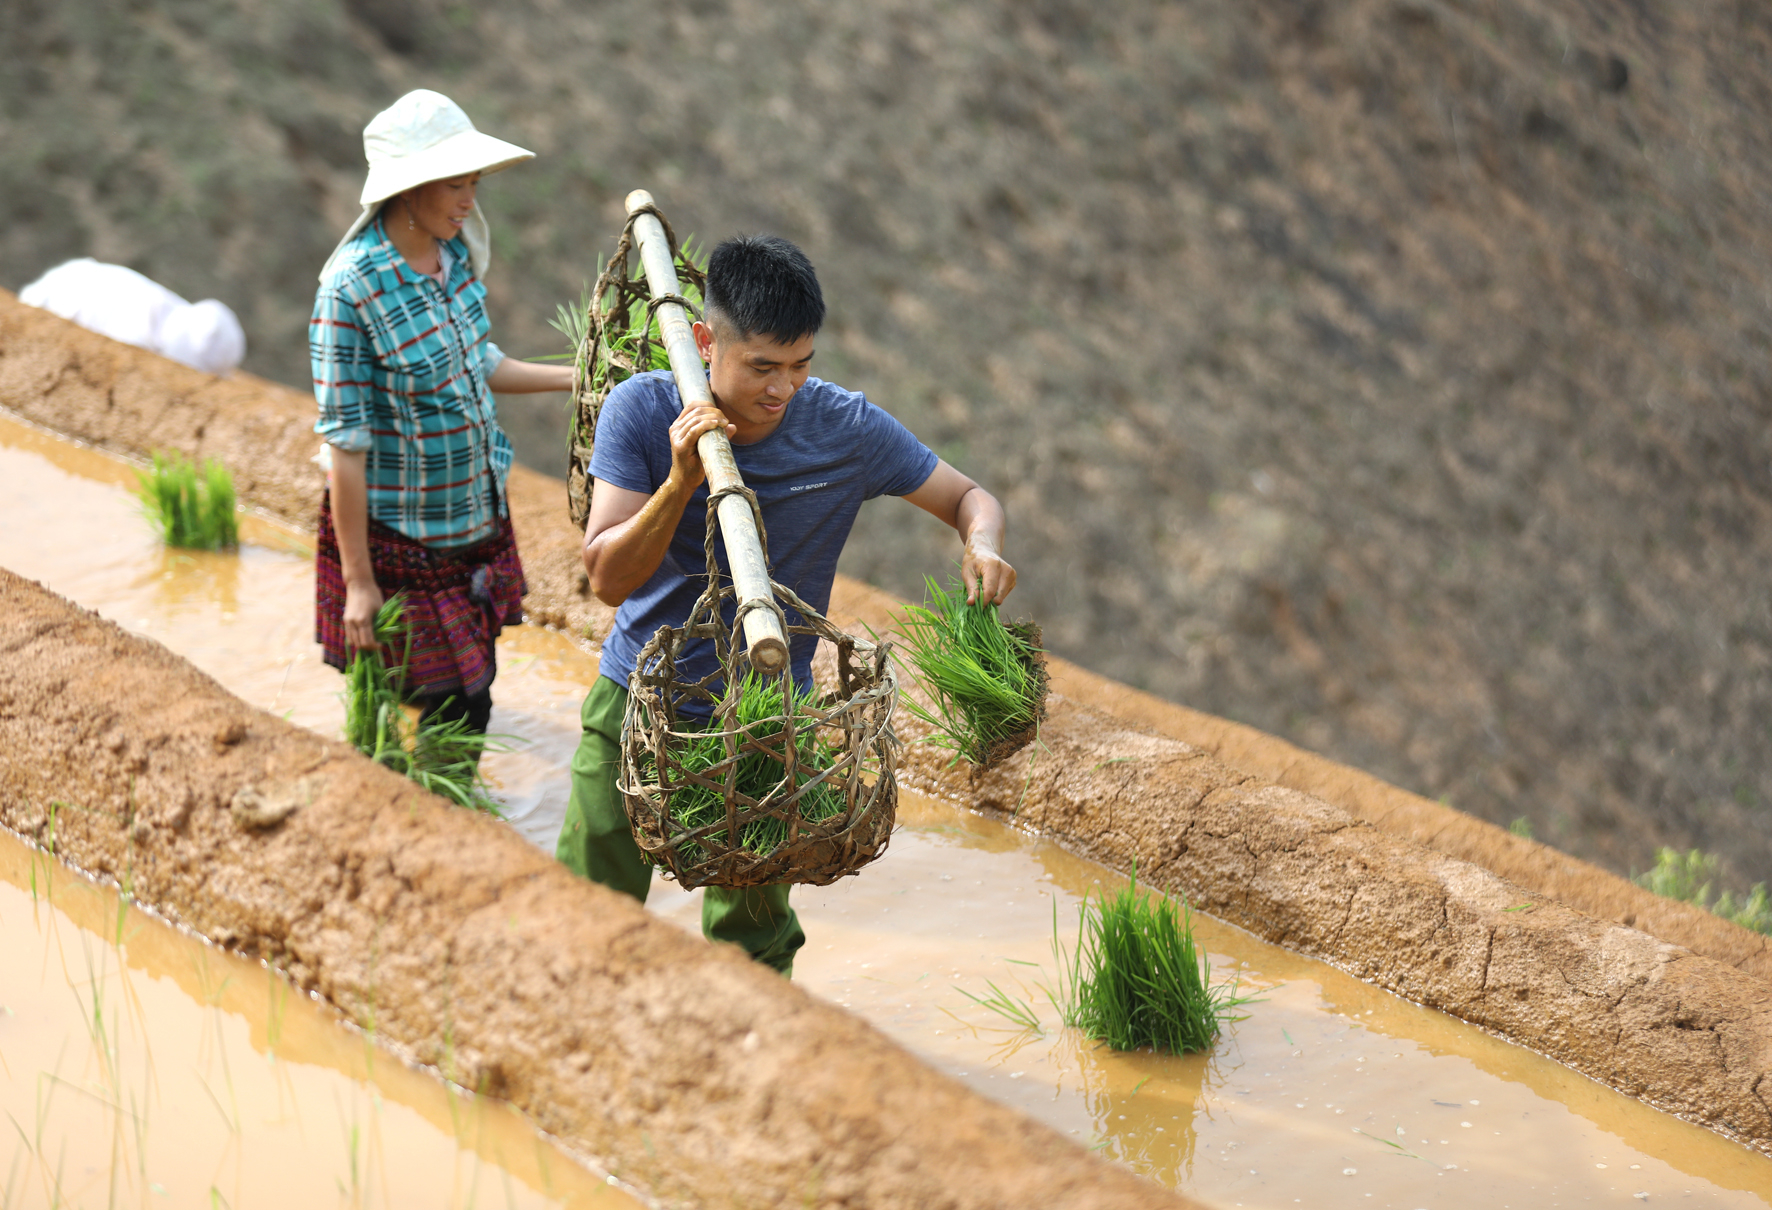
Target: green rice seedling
(190,507)
(1754,912)
(1136,978)
(759,770)
(574,322)
(986,681)
(1683,876)
(1011,1008)
(440,755)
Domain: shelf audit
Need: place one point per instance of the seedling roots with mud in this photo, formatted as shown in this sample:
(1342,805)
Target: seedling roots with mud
(986,681)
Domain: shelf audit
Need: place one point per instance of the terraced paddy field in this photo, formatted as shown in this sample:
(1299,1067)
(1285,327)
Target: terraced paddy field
(1331,1092)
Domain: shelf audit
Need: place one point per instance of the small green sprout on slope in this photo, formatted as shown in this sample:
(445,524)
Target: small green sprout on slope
(190,509)
(985,680)
(1688,877)
(1136,978)
(442,756)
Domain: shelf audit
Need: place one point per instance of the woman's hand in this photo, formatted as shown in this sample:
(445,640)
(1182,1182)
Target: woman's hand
(363,599)
(350,521)
(686,431)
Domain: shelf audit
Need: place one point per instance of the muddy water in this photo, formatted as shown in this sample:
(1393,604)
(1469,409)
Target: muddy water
(1329,1093)
(247,618)
(146,1068)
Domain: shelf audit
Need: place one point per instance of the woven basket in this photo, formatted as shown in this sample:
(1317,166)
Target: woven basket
(616,344)
(830,791)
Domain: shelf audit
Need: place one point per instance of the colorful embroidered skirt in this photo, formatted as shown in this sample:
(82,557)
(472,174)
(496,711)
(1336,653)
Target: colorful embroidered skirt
(457,601)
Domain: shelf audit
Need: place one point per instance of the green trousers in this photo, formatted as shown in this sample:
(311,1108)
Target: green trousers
(597,843)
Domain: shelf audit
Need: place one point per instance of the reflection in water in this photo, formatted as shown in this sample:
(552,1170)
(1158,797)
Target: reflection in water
(1332,1093)
(196,579)
(1146,1123)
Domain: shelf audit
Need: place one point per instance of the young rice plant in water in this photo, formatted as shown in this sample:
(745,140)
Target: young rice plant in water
(1136,978)
(442,756)
(757,774)
(981,676)
(190,508)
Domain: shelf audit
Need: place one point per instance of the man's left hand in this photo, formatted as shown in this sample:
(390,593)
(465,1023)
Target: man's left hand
(989,578)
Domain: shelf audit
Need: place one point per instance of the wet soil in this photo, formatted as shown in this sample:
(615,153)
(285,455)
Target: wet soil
(145,1064)
(1318,1081)
(1324,1075)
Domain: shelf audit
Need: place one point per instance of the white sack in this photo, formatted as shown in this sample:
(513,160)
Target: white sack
(118,302)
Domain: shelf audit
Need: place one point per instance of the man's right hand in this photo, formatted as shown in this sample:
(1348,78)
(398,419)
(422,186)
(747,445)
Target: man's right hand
(628,532)
(686,430)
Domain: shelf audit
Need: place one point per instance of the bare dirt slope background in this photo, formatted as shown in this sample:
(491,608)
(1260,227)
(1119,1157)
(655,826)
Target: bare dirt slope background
(1389,375)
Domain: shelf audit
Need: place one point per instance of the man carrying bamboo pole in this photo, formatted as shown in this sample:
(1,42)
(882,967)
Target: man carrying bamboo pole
(812,452)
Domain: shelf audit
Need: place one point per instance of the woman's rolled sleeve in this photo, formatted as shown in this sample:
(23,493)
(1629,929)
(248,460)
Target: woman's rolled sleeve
(491,359)
(351,441)
(343,366)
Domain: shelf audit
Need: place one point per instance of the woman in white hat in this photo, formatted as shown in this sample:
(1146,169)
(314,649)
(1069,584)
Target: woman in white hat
(404,375)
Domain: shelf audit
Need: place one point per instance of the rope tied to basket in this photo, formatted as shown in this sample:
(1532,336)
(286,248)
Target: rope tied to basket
(776,786)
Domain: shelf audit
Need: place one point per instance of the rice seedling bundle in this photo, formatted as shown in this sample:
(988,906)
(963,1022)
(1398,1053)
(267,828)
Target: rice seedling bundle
(780,784)
(441,755)
(758,769)
(986,679)
(1136,978)
(190,507)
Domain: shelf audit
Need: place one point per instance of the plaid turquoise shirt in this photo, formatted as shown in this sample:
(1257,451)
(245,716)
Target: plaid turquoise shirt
(400,371)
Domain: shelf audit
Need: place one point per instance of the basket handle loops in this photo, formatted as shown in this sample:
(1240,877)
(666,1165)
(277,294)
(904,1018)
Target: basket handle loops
(714,498)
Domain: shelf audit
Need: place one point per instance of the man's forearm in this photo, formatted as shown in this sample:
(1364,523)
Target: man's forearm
(618,560)
(981,524)
(980,516)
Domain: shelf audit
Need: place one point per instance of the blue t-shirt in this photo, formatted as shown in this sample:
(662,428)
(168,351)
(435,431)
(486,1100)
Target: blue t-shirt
(832,450)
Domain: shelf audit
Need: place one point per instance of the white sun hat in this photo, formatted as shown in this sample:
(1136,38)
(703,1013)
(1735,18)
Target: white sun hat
(422,137)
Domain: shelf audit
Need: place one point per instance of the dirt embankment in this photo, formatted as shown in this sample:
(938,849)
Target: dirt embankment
(1689,1032)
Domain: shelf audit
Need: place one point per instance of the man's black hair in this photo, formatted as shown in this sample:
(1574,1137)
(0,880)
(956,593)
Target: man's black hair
(762,284)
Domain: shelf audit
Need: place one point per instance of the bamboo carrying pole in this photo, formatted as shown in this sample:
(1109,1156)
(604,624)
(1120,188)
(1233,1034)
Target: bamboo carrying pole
(765,642)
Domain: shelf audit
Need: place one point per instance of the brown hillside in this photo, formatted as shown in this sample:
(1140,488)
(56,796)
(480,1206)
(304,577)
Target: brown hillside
(1389,375)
